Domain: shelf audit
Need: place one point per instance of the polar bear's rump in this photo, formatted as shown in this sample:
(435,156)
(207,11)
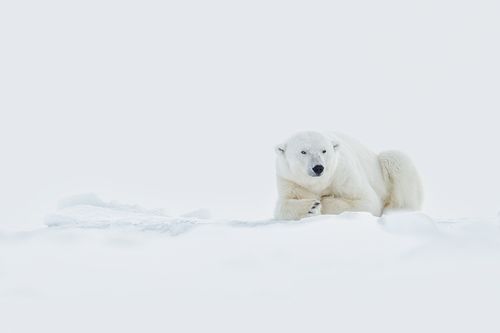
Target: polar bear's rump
(403,182)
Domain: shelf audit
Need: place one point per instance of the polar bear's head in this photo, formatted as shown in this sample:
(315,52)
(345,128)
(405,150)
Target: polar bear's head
(308,158)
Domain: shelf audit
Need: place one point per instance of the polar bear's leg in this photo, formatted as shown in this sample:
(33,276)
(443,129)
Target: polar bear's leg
(295,209)
(331,205)
(403,181)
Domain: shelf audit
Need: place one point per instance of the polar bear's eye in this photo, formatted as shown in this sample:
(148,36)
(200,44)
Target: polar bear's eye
(324,151)
(303,152)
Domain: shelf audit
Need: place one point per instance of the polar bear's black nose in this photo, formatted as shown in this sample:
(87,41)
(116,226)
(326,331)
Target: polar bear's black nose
(318,169)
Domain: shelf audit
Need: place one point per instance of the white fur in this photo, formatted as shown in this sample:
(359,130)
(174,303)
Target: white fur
(354,178)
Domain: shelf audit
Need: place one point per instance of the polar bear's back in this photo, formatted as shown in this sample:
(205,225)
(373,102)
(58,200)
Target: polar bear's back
(363,159)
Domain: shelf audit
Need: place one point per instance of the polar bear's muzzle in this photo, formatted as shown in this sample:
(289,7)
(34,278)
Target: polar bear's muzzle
(318,170)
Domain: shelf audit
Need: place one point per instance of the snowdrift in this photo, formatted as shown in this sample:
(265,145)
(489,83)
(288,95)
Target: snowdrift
(104,267)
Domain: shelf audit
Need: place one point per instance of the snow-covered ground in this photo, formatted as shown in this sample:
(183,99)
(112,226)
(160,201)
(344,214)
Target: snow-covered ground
(107,267)
(179,104)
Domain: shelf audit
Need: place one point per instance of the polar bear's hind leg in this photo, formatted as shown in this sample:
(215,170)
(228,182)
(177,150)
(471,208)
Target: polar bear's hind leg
(403,181)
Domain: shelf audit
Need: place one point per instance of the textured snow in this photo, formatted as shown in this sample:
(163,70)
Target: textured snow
(103,266)
(178,104)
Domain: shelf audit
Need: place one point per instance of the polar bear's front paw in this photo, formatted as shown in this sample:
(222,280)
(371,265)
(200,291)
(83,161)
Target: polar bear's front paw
(315,209)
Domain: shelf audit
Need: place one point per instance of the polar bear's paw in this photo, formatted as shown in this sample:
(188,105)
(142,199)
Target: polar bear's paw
(315,209)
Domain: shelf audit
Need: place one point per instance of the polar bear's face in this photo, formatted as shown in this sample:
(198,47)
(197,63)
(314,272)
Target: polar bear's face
(307,157)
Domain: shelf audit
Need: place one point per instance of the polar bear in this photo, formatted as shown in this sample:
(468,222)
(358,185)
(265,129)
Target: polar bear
(332,173)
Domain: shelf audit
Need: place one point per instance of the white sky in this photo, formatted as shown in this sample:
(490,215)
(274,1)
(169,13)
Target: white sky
(179,104)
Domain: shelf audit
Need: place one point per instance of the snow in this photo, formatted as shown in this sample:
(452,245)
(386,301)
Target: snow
(179,104)
(104,266)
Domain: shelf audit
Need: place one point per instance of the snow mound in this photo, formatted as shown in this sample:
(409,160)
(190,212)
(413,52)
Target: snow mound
(89,211)
(133,269)
(409,223)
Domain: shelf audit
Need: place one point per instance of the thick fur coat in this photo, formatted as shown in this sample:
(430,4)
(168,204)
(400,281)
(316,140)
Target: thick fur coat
(332,173)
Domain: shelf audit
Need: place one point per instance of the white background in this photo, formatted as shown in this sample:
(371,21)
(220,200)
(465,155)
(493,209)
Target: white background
(178,104)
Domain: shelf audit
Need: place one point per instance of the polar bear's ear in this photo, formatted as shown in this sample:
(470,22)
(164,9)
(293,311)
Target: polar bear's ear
(335,145)
(280,149)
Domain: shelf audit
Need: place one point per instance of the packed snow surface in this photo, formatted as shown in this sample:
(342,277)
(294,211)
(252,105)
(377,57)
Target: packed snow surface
(109,267)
